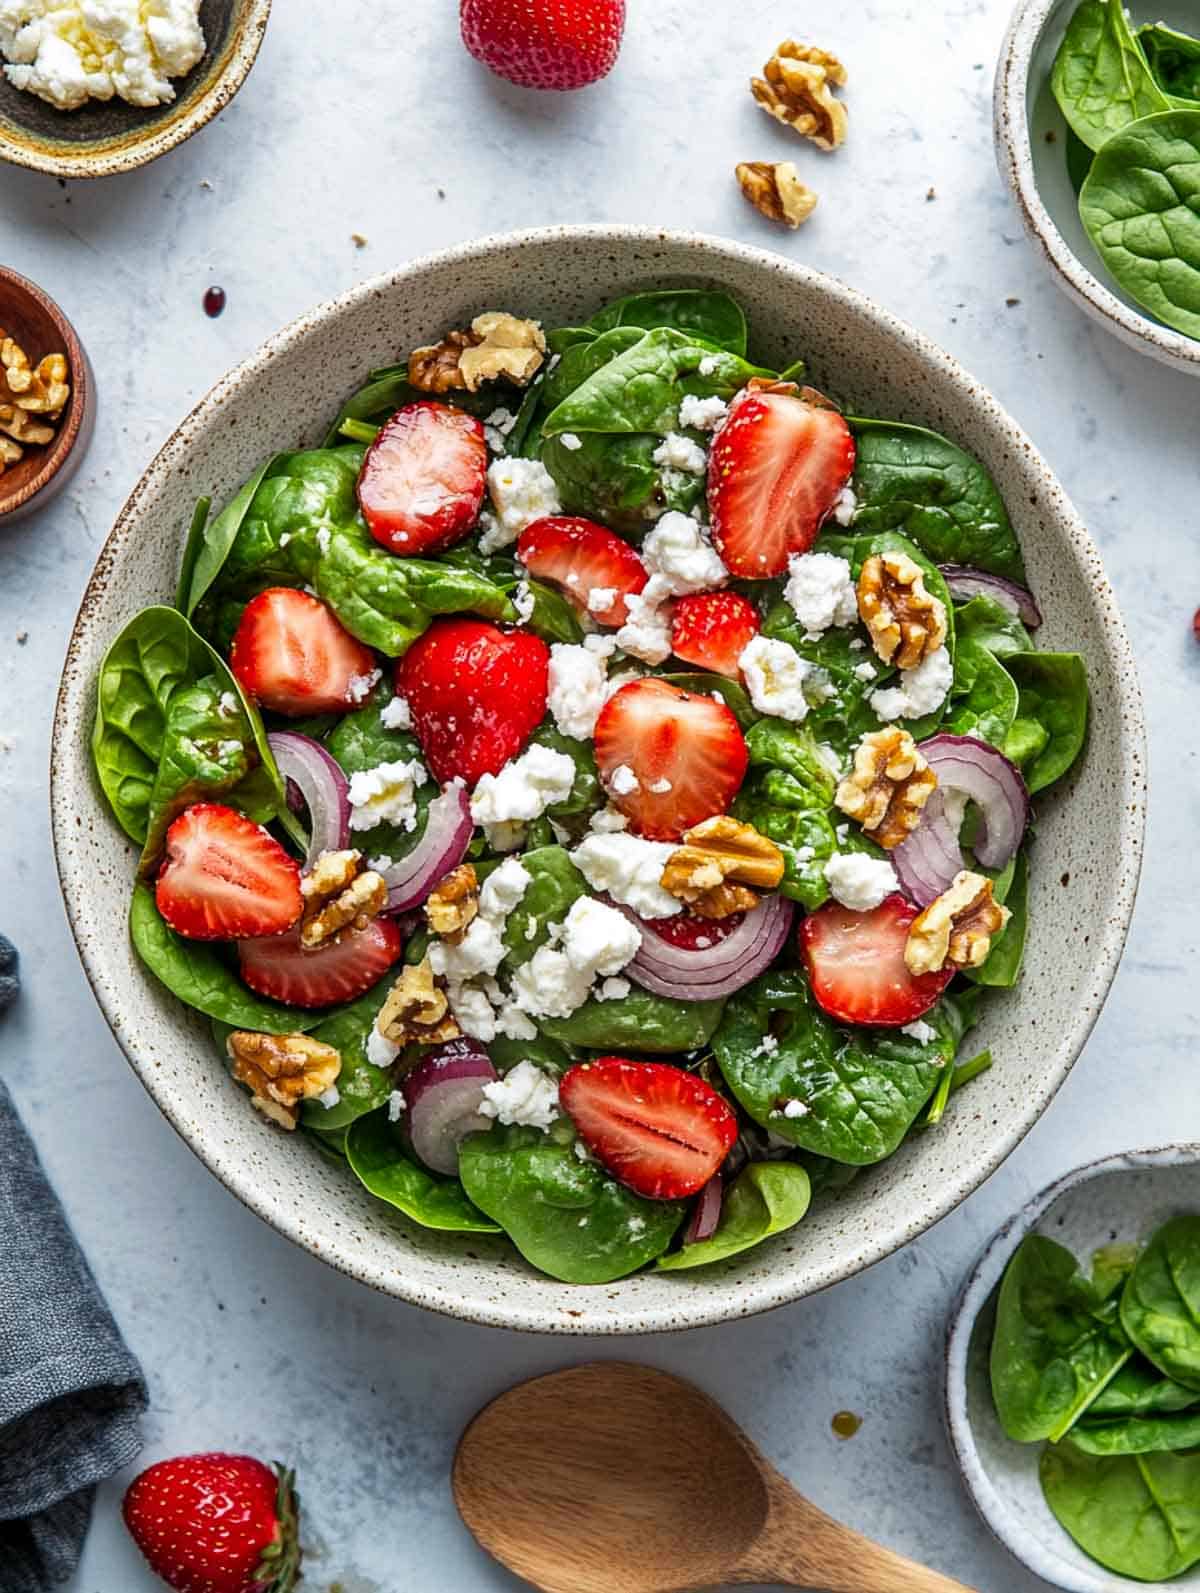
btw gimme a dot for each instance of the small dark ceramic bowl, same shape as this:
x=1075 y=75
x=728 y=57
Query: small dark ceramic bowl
x=103 y=137
x=34 y=321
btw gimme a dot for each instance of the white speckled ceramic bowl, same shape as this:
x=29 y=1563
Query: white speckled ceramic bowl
x=1121 y=1198
x=1030 y=134
x=1089 y=833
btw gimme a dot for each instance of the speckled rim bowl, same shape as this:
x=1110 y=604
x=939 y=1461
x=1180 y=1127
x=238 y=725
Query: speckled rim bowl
x=1124 y=1197
x=1089 y=835
x=1021 y=82
x=105 y=137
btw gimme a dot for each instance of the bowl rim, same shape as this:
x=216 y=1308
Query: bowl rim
x=79 y=407
x=1014 y=156
x=985 y=1275
x=139 y=148
x=1109 y=942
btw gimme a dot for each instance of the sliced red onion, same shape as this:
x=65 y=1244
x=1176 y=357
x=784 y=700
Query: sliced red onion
x=928 y=860
x=965 y=582
x=706 y=1213
x=710 y=972
x=319 y=780
x=443 y=846
x=443 y=1094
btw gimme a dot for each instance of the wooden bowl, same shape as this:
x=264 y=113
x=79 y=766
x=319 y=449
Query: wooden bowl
x=33 y=319
x=103 y=137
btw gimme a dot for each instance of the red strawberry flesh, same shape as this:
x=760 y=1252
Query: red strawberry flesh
x=224 y=877
x=856 y=965
x=580 y=557
x=422 y=480
x=711 y=629
x=340 y=970
x=291 y=653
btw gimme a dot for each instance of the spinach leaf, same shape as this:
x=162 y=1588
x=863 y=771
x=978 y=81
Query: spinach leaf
x=195 y=972
x=1160 y=1307
x=204 y=556
x=375 y=1151
x=207 y=749
x=361 y=741
x=1052 y=715
x=567 y=1217
x=991 y=625
x=554 y=888
x=191 y=551
x=702 y=312
x=387 y=389
x=1138 y=208
x=861 y=1091
x=1002 y=967
x=1138 y=1515
x=915 y=481
x=1054 y=1349
x=545 y=1054
x=362 y=1087
x=554 y=619
x=788 y=796
x=1140 y=1389
x=1100 y=77
x=613 y=478
x=983 y=697
x=581 y=362
x=791 y=749
x=638 y=1022
x=731 y=692
x=1137 y=1435
x=275 y=538
x=1174 y=61
x=1079 y=161
x=766 y=1198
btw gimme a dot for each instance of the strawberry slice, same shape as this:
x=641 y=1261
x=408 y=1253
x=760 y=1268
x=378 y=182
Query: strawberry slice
x=476 y=694
x=668 y=758
x=695 y=934
x=660 y=1131
x=775 y=471
x=341 y=969
x=856 y=965
x=421 y=484
x=710 y=629
x=224 y=877
x=292 y=654
x=581 y=558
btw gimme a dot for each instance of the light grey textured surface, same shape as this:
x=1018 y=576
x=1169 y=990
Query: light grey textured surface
x=246 y=1340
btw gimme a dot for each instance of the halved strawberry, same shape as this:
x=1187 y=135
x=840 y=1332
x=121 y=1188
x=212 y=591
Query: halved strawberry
x=476 y=695
x=775 y=471
x=659 y=1130
x=710 y=629
x=292 y=654
x=421 y=484
x=340 y=970
x=695 y=934
x=856 y=965
x=544 y=44
x=685 y=753
x=224 y=877
x=580 y=557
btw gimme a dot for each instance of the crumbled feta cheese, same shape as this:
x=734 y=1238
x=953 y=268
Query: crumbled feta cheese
x=570 y=442
x=775 y=675
x=860 y=882
x=69 y=51
x=507 y=836
x=472 y=1010
x=603 y=646
x=524 y=788
x=582 y=1151
x=920 y=1031
x=680 y=559
x=646 y=633
x=628 y=869
x=794 y=1108
x=497 y=427
x=502 y=891
x=660 y=787
x=710 y=365
x=865 y=671
x=396 y=715
x=920 y=692
x=623 y=780
x=228 y=706
x=844 y=506
x=820 y=591
x=361 y=686
x=324 y=536
x=612 y=990
x=702 y=414
x=480 y=951
x=524 y=602
x=676 y=452
x=577 y=682
x=829 y=757
x=329 y=1098
x=601 y=599
x=396 y=1105
x=386 y=794
x=522 y=491
x=608 y=821
x=857 y=645
x=381 y=1053
x=525 y=1095
x=380 y=864
x=595 y=940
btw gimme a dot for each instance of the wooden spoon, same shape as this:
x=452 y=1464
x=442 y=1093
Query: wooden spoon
x=611 y=1476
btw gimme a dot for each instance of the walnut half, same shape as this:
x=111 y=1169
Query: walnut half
x=338 y=891
x=956 y=930
x=721 y=867
x=416 y=1010
x=775 y=190
x=888 y=786
x=497 y=345
x=796 y=88
x=907 y=623
x=452 y=905
x=281 y=1070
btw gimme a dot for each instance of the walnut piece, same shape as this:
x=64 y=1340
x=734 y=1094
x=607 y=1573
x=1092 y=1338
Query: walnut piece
x=888 y=786
x=282 y=1070
x=721 y=867
x=416 y=1010
x=20 y=425
x=42 y=389
x=452 y=905
x=906 y=622
x=775 y=190
x=956 y=930
x=10 y=452
x=797 y=89
x=338 y=891
x=497 y=345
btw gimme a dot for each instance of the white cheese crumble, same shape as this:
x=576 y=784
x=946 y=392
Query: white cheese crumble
x=775 y=674
x=628 y=869
x=646 y=634
x=524 y=788
x=865 y=671
x=623 y=780
x=329 y=1098
x=522 y=491
x=525 y=1095
x=920 y=692
x=523 y=601
x=820 y=591
x=396 y=715
x=601 y=599
x=680 y=559
x=69 y=51
x=361 y=686
x=502 y=891
x=709 y=365
x=570 y=442
x=920 y=1031
x=612 y=990
x=794 y=1108
x=578 y=680
x=844 y=506
x=676 y=452
x=702 y=414
x=608 y=821
x=595 y=940
x=497 y=427
x=381 y=1052
x=860 y=882
x=386 y=794
x=480 y=951
x=396 y=1105
x=228 y=705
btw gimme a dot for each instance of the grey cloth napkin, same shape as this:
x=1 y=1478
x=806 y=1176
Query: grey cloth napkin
x=71 y=1394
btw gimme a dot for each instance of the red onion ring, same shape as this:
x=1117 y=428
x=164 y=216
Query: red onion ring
x=710 y=972
x=965 y=582
x=318 y=777
x=928 y=860
x=706 y=1213
x=448 y=830
x=443 y=1094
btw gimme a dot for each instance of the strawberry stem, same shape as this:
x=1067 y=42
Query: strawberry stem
x=279 y=1567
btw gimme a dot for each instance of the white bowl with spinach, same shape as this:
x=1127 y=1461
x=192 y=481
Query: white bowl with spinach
x=1089 y=827
x=1097 y=127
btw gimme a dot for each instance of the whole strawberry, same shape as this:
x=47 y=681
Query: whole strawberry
x=544 y=44
x=216 y=1524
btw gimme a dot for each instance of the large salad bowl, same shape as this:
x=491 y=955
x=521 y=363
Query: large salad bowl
x=1089 y=834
